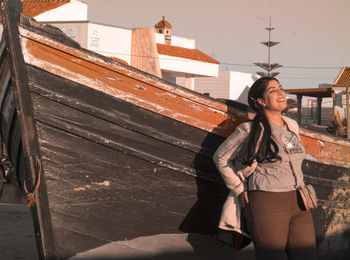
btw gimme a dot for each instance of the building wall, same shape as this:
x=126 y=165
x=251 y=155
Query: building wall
x=181 y=81
x=106 y=40
x=240 y=83
x=73 y=11
x=76 y=31
x=110 y=41
x=186 y=82
x=176 y=41
x=187 y=66
x=217 y=87
x=340 y=101
x=228 y=85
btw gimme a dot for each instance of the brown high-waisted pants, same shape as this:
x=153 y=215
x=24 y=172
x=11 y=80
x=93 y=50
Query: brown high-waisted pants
x=279 y=227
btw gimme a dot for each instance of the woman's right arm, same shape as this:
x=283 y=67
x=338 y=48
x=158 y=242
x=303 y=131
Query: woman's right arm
x=225 y=155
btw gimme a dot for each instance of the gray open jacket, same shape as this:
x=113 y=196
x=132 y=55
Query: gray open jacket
x=233 y=178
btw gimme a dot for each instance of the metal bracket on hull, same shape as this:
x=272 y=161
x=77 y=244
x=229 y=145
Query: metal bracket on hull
x=31 y=198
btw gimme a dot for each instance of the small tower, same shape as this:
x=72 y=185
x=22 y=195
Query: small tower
x=164 y=27
x=268 y=67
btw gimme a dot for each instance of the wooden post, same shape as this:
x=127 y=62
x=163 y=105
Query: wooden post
x=319 y=110
x=40 y=211
x=299 y=97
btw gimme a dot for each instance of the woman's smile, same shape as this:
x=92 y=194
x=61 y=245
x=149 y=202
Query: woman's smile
x=275 y=98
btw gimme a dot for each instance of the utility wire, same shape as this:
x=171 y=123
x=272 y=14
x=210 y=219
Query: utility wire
x=301 y=78
x=287 y=67
x=220 y=63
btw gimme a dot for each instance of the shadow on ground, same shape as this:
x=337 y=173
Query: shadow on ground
x=167 y=247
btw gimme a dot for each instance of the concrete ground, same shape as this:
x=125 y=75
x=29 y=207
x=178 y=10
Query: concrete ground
x=17 y=242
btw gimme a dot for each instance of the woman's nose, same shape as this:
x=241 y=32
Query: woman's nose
x=282 y=92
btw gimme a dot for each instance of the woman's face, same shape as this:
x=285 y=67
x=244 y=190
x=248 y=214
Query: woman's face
x=274 y=97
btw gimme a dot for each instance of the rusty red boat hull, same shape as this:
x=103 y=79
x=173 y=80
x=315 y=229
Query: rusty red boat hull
x=126 y=154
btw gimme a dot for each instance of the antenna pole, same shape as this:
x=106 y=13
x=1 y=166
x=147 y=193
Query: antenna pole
x=268 y=67
x=269 y=46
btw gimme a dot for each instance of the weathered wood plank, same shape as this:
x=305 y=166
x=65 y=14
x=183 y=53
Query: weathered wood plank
x=120 y=112
x=135 y=143
x=165 y=197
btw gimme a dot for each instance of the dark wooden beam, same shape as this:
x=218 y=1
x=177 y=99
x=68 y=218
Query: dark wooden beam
x=11 y=12
x=312 y=92
x=299 y=98
x=319 y=110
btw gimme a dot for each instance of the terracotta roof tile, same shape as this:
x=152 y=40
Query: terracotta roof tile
x=36 y=7
x=343 y=79
x=192 y=54
x=163 y=24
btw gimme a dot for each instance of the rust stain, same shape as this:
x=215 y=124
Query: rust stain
x=311 y=146
x=104 y=183
x=79 y=189
x=326 y=151
x=88 y=186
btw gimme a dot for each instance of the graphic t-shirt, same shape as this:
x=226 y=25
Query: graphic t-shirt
x=278 y=176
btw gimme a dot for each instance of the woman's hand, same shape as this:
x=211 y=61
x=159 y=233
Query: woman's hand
x=245 y=172
x=249 y=169
x=243 y=197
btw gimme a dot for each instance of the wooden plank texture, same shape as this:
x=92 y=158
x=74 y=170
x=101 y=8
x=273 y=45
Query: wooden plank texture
x=125 y=197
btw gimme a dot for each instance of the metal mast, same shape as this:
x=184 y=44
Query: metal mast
x=268 y=67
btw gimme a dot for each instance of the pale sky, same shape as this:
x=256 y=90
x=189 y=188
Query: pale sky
x=314 y=34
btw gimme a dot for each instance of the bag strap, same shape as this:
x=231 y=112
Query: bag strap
x=294 y=168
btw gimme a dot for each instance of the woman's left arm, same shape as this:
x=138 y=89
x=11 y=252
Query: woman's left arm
x=224 y=156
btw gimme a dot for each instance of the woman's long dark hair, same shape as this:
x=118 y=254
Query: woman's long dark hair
x=268 y=149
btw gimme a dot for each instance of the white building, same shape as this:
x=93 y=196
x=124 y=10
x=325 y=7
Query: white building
x=158 y=53
x=228 y=85
x=173 y=58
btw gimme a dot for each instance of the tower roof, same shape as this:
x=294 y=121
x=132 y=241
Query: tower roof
x=163 y=24
x=191 y=54
x=343 y=79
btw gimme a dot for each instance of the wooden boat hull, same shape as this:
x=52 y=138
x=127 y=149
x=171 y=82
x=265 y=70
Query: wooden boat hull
x=125 y=154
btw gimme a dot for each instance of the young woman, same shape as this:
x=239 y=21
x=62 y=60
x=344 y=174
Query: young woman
x=278 y=224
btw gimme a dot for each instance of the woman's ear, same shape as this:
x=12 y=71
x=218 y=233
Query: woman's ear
x=261 y=102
